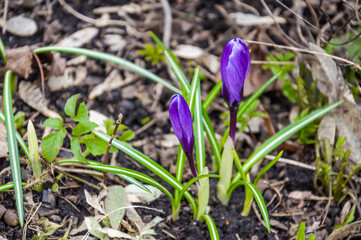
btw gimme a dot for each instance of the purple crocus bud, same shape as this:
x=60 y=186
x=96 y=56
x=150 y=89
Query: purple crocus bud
x=235 y=65
x=181 y=120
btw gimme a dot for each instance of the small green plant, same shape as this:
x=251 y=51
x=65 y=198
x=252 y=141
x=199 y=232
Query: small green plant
x=301 y=233
x=333 y=169
x=285 y=69
x=152 y=53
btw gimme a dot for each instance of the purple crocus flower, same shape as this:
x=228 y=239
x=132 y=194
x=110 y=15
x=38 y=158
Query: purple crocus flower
x=235 y=65
x=181 y=120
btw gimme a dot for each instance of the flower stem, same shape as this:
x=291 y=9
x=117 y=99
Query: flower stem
x=233 y=121
x=192 y=166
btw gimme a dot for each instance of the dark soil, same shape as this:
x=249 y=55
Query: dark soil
x=198 y=23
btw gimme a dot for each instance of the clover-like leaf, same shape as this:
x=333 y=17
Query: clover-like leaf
x=51 y=144
x=53 y=123
x=83 y=127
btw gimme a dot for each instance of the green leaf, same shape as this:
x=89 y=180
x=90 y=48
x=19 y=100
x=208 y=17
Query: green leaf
x=126 y=136
x=267 y=167
x=225 y=172
x=70 y=105
x=2 y=51
x=19 y=119
x=301 y=232
x=213 y=232
x=83 y=127
x=12 y=145
x=203 y=193
x=76 y=149
x=53 y=123
x=82 y=113
x=95 y=145
x=51 y=144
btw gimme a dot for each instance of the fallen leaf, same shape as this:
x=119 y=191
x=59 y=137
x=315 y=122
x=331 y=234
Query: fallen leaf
x=94 y=227
x=93 y=201
x=115 y=233
x=113 y=203
x=188 y=52
x=115 y=42
x=79 y=38
x=30 y=93
x=136 y=194
x=348 y=116
x=19 y=61
x=71 y=77
x=21 y=26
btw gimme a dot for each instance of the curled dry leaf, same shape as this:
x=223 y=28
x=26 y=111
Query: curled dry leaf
x=21 y=26
x=30 y=93
x=348 y=116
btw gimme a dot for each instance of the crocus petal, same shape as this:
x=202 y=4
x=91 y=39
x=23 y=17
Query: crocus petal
x=181 y=120
x=235 y=63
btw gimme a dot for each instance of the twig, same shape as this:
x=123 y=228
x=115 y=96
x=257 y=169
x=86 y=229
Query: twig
x=230 y=20
x=305 y=51
x=105 y=159
x=328 y=203
x=167 y=30
x=41 y=74
x=278 y=26
x=292 y=162
x=76 y=178
x=256 y=62
x=259 y=216
x=96 y=22
x=145 y=127
x=30 y=218
x=6 y=7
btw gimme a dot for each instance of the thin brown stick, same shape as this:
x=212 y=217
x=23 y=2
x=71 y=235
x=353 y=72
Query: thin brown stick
x=77 y=178
x=105 y=159
x=305 y=51
x=41 y=74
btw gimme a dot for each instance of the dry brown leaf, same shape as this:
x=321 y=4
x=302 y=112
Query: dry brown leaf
x=71 y=77
x=332 y=84
x=247 y=19
x=19 y=61
x=30 y=93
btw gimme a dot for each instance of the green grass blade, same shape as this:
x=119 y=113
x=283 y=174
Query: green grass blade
x=12 y=145
x=148 y=163
x=173 y=63
x=9 y=186
x=134 y=181
x=212 y=95
x=259 y=199
x=267 y=167
x=2 y=51
x=277 y=139
x=20 y=140
x=301 y=232
x=193 y=180
x=110 y=58
x=211 y=136
x=249 y=101
x=213 y=232
x=196 y=110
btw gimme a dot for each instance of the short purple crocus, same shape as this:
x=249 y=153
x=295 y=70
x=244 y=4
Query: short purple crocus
x=235 y=65
x=181 y=120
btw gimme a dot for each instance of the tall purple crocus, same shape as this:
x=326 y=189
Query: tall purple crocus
x=235 y=65
x=181 y=120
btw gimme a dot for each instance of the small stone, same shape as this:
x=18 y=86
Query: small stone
x=21 y=26
x=11 y=218
x=48 y=197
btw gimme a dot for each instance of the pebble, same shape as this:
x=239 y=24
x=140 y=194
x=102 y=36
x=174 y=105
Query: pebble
x=11 y=218
x=21 y=26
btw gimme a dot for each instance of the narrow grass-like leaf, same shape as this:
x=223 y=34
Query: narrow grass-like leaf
x=213 y=232
x=2 y=51
x=121 y=171
x=259 y=199
x=110 y=58
x=20 y=140
x=148 y=163
x=242 y=109
x=267 y=167
x=212 y=95
x=192 y=181
x=12 y=145
x=225 y=171
x=203 y=194
x=281 y=136
x=238 y=164
x=134 y=181
x=9 y=186
x=301 y=232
